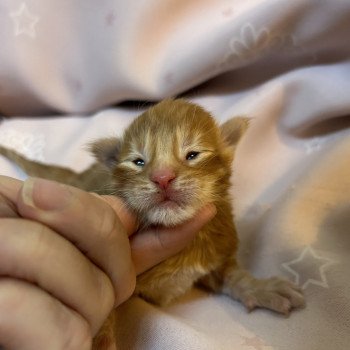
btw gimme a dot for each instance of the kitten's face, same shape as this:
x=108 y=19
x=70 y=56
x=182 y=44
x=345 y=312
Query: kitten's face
x=171 y=161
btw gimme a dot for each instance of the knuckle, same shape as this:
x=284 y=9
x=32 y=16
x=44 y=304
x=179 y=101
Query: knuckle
x=72 y=329
x=7 y=208
x=131 y=288
x=107 y=225
x=126 y=290
x=41 y=241
x=105 y=295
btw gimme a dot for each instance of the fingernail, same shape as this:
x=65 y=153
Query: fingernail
x=45 y=195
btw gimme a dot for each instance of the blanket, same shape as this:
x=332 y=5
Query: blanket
x=67 y=68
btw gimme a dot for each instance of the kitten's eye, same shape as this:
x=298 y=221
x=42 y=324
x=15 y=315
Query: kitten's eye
x=139 y=162
x=191 y=155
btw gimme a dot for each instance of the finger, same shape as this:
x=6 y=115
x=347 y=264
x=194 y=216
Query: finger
x=7 y=208
x=155 y=245
x=33 y=252
x=128 y=220
x=9 y=189
x=87 y=221
x=31 y=319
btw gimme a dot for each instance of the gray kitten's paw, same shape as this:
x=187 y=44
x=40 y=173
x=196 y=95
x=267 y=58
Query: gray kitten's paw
x=274 y=293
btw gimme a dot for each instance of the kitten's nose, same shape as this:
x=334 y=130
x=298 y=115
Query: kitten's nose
x=163 y=177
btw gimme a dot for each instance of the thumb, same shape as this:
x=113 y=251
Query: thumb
x=150 y=247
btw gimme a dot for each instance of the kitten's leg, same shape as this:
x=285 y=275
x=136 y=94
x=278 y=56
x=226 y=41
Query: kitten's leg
x=93 y=179
x=156 y=286
x=161 y=287
x=272 y=293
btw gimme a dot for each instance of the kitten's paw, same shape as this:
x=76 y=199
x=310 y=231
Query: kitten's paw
x=274 y=293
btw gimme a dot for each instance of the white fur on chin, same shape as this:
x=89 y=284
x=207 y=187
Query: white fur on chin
x=170 y=216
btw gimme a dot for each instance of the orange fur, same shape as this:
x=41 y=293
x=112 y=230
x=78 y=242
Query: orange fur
x=162 y=137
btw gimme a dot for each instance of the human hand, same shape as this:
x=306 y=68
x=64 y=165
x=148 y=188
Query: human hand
x=68 y=260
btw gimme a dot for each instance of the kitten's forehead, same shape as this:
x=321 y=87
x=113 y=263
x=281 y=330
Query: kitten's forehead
x=172 y=122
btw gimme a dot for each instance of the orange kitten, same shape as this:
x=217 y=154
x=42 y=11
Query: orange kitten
x=171 y=161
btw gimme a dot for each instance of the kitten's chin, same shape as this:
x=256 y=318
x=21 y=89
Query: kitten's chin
x=169 y=214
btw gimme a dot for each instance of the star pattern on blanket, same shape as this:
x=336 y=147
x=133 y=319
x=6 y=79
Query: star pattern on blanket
x=254 y=342
x=309 y=268
x=24 y=21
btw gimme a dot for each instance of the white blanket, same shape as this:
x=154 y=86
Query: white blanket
x=286 y=64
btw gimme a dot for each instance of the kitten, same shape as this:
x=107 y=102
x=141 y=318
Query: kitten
x=172 y=160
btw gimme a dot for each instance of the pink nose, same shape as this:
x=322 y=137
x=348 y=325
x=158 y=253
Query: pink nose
x=163 y=177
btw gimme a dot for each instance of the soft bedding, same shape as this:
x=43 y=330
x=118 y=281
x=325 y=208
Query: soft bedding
x=66 y=66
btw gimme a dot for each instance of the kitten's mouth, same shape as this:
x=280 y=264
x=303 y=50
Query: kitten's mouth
x=171 y=207
x=169 y=200
x=168 y=204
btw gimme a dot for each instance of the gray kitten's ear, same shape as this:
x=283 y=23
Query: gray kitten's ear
x=106 y=150
x=234 y=129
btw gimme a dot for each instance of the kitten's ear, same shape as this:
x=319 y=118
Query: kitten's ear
x=234 y=129
x=106 y=150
